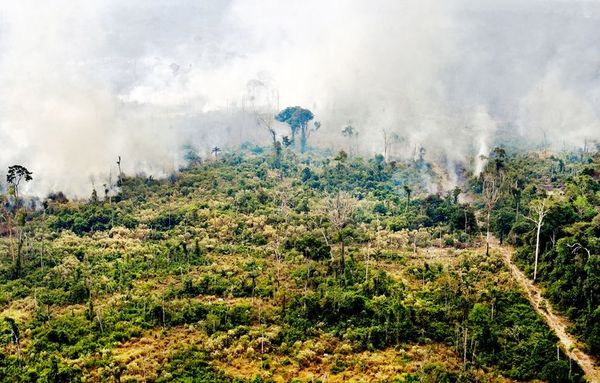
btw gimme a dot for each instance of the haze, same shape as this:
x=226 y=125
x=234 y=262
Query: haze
x=82 y=82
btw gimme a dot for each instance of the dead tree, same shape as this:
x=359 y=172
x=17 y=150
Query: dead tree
x=491 y=194
x=266 y=120
x=120 y=180
x=539 y=209
x=340 y=209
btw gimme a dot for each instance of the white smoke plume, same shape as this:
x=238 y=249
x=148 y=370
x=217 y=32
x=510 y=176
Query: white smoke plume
x=82 y=82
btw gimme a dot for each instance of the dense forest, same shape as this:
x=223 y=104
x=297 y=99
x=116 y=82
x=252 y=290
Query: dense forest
x=550 y=203
x=266 y=264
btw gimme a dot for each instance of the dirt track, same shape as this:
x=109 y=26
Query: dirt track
x=557 y=322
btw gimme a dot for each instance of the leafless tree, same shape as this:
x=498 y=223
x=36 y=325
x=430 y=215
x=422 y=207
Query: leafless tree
x=351 y=134
x=492 y=184
x=284 y=198
x=266 y=120
x=340 y=209
x=388 y=140
x=120 y=172
x=539 y=209
x=577 y=246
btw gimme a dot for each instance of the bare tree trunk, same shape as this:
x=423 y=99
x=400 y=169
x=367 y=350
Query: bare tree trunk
x=99 y=318
x=537 y=248
x=303 y=139
x=466 y=337
x=415 y=245
x=42 y=254
x=343 y=255
x=385 y=145
x=306 y=281
x=12 y=247
x=540 y=209
x=278 y=259
x=327 y=243
x=367 y=263
x=487 y=238
x=17 y=258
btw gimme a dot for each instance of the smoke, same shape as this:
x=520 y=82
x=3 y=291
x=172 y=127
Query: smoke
x=84 y=82
x=485 y=133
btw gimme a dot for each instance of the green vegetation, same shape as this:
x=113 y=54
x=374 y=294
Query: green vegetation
x=265 y=266
x=566 y=190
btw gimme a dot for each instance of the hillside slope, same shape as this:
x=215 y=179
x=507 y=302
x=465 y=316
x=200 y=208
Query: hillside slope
x=251 y=269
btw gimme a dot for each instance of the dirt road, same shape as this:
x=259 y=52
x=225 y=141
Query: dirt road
x=557 y=322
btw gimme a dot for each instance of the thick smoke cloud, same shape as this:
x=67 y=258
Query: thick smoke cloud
x=82 y=82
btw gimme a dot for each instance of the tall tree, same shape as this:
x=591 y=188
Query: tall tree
x=120 y=177
x=493 y=182
x=265 y=120
x=340 y=209
x=386 y=143
x=297 y=118
x=491 y=194
x=539 y=209
x=350 y=133
x=389 y=139
x=16 y=174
